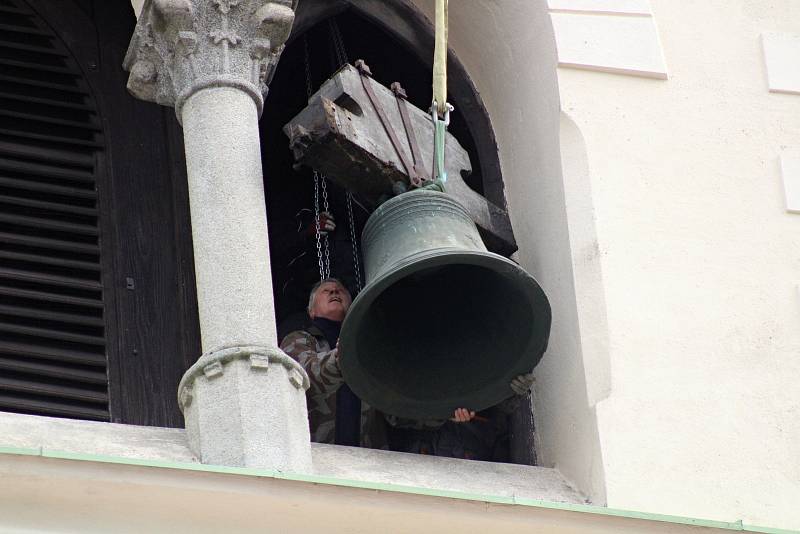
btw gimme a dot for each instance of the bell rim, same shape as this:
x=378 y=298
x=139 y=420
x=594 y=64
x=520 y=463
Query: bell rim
x=355 y=376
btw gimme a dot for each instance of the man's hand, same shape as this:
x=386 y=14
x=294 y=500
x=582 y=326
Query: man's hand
x=521 y=385
x=462 y=415
x=326 y=223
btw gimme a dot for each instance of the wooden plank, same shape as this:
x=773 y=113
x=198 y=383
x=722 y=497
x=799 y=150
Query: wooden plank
x=48 y=119
x=21 y=29
x=50 y=260
x=52 y=390
x=49 y=224
x=50 y=154
x=31 y=48
x=50 y=333
x=11 y=402
x=35 y=66
x=50 y=279
x=39 y=83
x=49 y=315
x=147 y=231
x=15 y=10
x=340 y=135
x=53 y=370
x=46 y=101
x=53 y=138
x=31 y=185
x=53 y=353
x=49 y=297
x=54 y=244
x=45 y=205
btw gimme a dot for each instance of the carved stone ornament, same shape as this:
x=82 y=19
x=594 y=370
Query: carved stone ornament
x=212 y=365
x=182 y=46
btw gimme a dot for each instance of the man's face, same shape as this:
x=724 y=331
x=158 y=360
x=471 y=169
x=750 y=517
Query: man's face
x=331 y=301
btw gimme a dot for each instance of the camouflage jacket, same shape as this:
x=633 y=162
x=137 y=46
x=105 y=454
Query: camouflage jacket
x=311 y=350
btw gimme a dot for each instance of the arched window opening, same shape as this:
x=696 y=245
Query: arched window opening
x=290 y=190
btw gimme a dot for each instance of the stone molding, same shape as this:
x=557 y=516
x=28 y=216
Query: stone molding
x=182 y=46
x=782 y=60
x=246 y=407
x=212 y=365
x=790 y=171
x=615 y=36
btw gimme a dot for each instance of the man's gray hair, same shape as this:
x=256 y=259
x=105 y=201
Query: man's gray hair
x=313 y=294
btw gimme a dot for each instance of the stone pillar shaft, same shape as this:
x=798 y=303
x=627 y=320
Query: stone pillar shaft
x=244 y=400
x=229 y=223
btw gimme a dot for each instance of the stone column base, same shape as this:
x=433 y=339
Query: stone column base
x=246 y=406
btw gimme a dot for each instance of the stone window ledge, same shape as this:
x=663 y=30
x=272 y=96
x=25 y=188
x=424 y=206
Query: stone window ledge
x=86 y=438
x=63 y=475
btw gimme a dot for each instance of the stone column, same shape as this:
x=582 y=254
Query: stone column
x=244 y=400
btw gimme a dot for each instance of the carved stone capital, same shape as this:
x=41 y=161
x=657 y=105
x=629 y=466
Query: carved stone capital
x=182 y=46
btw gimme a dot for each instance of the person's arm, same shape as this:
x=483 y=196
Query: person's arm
x=416 y=424
x=460 y=415
x=521 y=386
x=322 y=367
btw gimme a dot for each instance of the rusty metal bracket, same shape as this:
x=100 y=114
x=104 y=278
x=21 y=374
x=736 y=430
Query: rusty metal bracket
x=366 y=81
x=402 y=105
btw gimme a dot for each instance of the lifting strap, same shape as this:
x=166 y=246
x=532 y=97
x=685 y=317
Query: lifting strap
x=440 y=59
x=440 y=109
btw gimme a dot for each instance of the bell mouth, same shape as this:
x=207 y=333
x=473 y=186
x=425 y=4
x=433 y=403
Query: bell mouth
x=443 y=329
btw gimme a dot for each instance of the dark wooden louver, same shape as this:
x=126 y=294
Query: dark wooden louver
x=52 y=339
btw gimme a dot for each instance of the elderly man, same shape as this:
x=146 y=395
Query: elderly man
x=334 y=412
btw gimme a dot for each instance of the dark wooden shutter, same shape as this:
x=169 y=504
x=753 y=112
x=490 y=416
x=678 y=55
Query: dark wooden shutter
x=52 y=338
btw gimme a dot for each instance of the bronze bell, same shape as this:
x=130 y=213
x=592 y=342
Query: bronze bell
x=442 y=323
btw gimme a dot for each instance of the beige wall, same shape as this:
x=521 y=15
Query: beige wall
x=677 y=314
x=700 y=262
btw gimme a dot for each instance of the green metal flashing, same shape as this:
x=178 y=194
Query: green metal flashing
x=393 y=488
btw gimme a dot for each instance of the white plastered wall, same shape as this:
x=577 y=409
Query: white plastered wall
x=700 y=261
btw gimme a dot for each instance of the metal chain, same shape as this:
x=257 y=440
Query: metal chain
x=316 y=223
x=327 y=261
x=323 y=244
x=352 y=224
x=338 y=42
x=341 y=58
